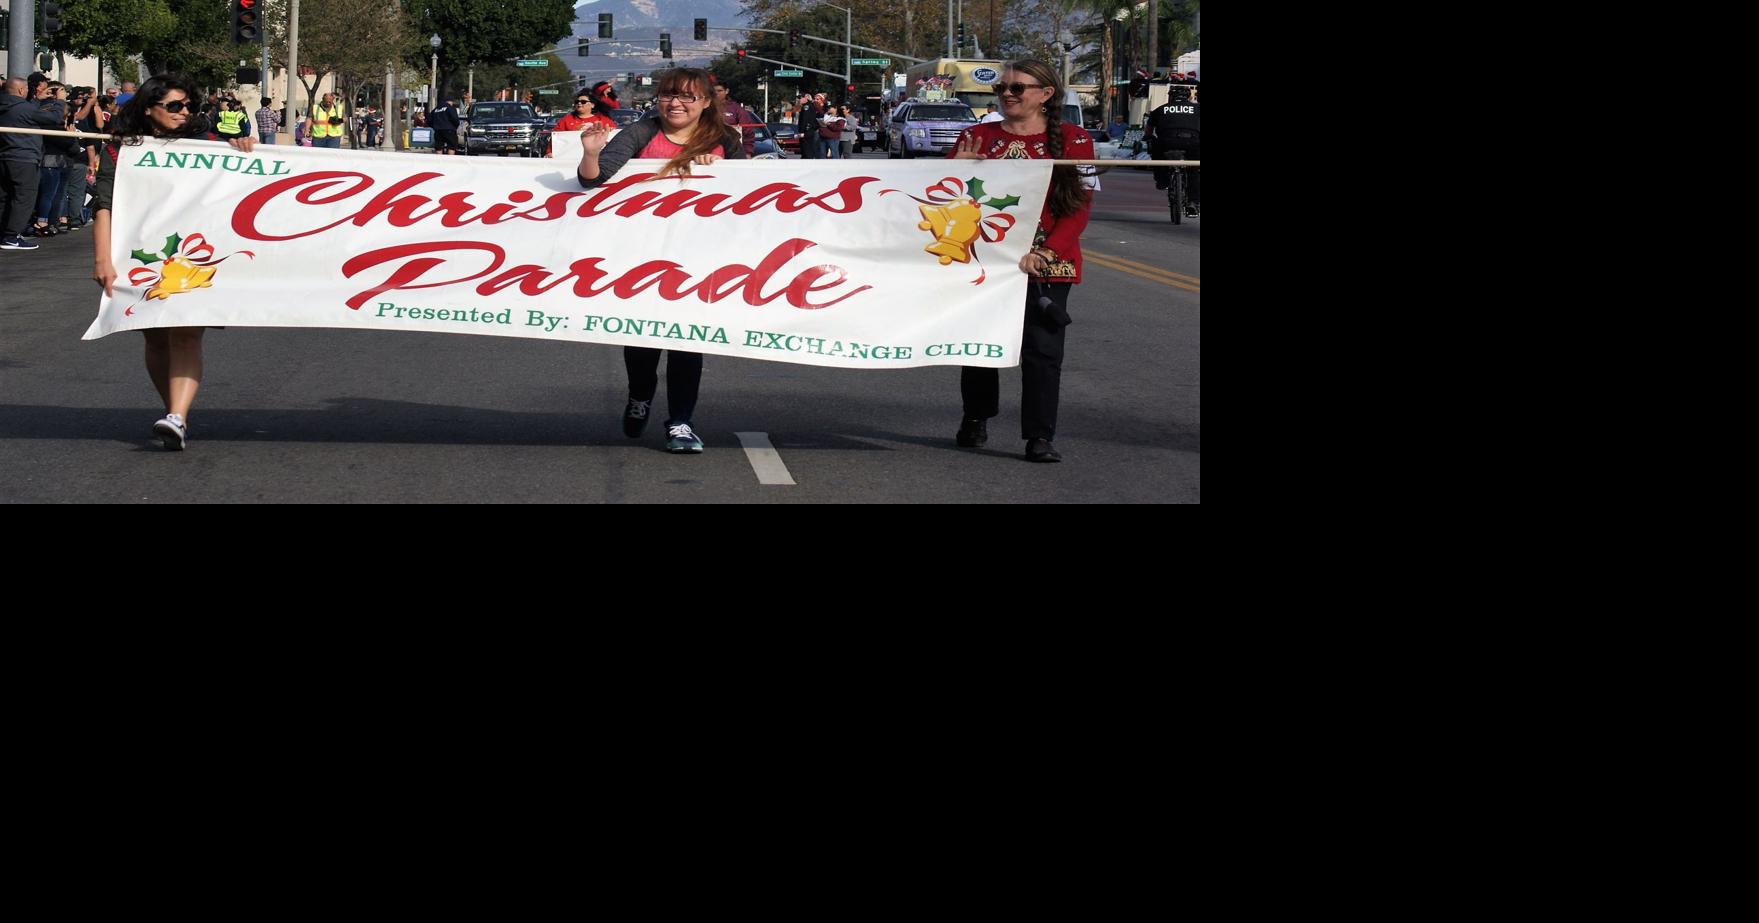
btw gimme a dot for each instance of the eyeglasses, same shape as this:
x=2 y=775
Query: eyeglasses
x=684 y=98
x=583 y=102
x=1016 y=89
x=173 y=107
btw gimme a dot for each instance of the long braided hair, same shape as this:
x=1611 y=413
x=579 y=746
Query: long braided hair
x=1067 y=194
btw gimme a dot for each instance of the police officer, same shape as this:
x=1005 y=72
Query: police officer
x=1178 y=126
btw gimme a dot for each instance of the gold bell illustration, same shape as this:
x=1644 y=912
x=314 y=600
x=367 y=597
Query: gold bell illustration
x=181 y=276
x=955 y=227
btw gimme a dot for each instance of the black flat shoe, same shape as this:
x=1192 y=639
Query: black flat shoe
x=1041 y=450
x=972 y=434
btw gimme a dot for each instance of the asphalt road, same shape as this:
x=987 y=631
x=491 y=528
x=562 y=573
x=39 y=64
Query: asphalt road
x=318 y=415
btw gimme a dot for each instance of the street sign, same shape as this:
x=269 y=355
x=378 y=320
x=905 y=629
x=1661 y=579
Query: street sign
x=871 y=62
x=548 y=92
x=532 y=62
x=790 y=73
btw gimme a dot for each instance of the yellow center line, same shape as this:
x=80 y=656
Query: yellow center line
x=1145 y=267
x=1101 y=261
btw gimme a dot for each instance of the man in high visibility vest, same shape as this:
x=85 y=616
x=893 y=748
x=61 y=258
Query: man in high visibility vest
x=326 y=123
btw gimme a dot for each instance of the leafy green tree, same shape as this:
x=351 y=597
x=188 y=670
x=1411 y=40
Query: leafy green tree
x=484 y=32
x=113 y=30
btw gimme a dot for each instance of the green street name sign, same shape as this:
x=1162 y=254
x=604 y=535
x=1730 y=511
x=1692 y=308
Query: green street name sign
x=790 y=73
x=548 y=92
x=532 y=62
x=871 y=62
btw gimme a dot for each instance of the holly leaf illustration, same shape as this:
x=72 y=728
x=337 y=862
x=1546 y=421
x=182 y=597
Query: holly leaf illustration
x=974 y=188
x=1003 y=203
x=145 y=257
x=171 y=245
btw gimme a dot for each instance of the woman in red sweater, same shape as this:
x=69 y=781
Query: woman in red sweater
x=1032 y=127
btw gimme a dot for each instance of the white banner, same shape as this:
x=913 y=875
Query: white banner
x=864 y=264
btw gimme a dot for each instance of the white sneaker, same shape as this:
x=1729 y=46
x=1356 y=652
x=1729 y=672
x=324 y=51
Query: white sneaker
x=171 y=432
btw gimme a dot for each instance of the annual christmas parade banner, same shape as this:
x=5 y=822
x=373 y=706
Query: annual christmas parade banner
x=861 y=264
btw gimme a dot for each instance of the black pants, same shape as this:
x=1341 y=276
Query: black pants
x=446 y=139
x=1041 y=371
x=1193 y=175
x=683 y=379
x=18 y=196
x=810 y=146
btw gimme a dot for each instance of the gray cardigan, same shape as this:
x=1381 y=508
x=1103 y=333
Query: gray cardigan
x=631 y=140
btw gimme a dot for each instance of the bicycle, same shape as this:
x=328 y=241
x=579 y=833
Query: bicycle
x=1176 y=187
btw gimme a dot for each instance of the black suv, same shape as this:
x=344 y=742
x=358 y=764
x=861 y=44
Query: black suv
x=502 y=128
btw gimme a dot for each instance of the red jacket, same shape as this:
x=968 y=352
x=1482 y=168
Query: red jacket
x=1062 y=235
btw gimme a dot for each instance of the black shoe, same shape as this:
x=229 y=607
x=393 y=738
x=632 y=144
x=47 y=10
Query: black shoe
x=1041 y=450
x=973 y=433
x=635 y=417
x=1161 y=186
x=1193 y=211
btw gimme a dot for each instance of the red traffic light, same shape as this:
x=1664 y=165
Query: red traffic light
x=851 y=87
x=247 y=4
x=741 y=52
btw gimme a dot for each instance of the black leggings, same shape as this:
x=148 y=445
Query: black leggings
x=1041 y=371
x=683 y=379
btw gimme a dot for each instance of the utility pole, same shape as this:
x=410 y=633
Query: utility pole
x=21 y=43
x=292 y=66
x=950 y=53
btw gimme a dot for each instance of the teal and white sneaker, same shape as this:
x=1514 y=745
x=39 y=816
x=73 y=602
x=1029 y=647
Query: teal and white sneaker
x=681 y=439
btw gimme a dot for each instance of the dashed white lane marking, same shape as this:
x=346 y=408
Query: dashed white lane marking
x=764 y=458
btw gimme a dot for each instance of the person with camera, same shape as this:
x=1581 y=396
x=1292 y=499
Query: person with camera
x=21 y=156
x=80 y=168
x=1031 y=94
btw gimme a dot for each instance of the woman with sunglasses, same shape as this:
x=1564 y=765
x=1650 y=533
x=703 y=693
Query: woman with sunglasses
x=585 y=113
x=1032 y=127
x=689 y=130
x=164 y=107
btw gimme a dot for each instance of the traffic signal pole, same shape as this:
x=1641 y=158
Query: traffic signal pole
x=21 y=42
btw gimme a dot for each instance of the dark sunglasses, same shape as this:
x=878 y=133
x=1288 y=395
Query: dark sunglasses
x=1017 y=89
x=175 y=107
x=583 y=102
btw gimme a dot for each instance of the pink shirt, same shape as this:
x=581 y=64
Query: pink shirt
x=661 y=149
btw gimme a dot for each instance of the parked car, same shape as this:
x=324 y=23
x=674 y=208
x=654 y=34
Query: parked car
x=502 y=128
x=764 y=147
x=922 y=128
x=787 y=136
x=626 y=117
x=1104 y=148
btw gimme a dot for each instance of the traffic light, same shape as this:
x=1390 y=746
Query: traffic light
x=50 y=15
x=666 y=45
x=702 y=30
x=850 y=88
x=961 y=35
x=604 y=25
x=250 y=75
x=583 y=47
x=740 y=52
x=793 y=37
x=244 y=22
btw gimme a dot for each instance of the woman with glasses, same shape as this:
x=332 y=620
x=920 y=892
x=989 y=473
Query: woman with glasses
x=164 y=107
x=1032 y=127
x=689 y=130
